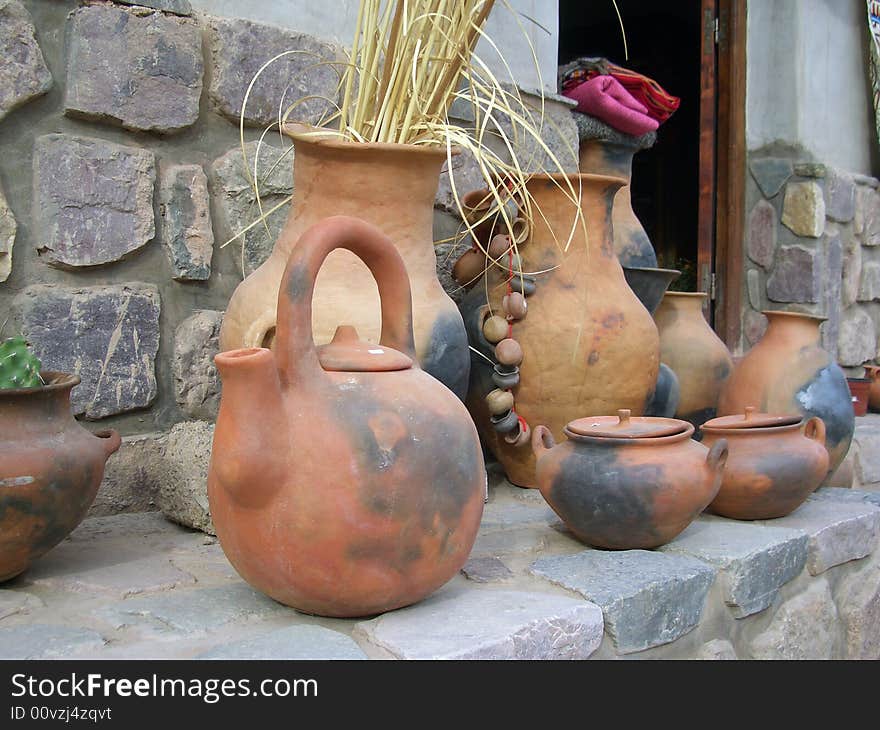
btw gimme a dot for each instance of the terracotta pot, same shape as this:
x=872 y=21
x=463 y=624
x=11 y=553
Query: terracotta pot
x=774 y=463
x=861 y=391
x=589 y=346
x=391 y=186
x=631 y=242
x=50 y=470
x=627 y=483
x=649 y=285
x=789 y=372
x=344 y=480
x=695 y=353
x=873 y=372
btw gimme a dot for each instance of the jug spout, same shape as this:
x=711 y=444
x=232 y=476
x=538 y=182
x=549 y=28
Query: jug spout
x=251 y=424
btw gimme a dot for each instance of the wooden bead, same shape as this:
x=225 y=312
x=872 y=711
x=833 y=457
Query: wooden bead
x=509 y=352
x=495 y=328
x=499 y=402
x=469 y=267
x=514 y=305
x=499 y=247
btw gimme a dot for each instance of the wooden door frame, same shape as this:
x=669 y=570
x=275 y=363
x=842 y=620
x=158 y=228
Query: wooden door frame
x=730 y=174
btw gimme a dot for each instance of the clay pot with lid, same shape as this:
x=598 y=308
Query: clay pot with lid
x=788 y=371
x=624 y=482
x=774 y=463
x=50 y=469
x=693 y=351
x=344 y=480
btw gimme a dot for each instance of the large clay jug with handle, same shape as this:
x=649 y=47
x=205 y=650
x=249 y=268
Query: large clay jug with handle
x=344 y=480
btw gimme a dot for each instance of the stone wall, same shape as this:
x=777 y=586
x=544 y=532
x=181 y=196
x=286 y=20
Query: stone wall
x=123 y=200
x=813 y=245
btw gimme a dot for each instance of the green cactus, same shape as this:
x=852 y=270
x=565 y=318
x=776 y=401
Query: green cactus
x=19 y=367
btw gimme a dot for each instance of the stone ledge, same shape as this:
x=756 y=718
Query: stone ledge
x=290 y=642
x=647 y=598
x=472 y=623
x=755 y=561
x=866 y=439
x=838 y=531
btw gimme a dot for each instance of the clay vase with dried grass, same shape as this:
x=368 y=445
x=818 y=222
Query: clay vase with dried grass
x=392 y=186
x=589 y=346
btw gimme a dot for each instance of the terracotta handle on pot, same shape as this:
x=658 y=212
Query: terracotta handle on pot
x=717 y=456
x=815 y=429
x=542 y=441
x=110 y=440
x=295 y=345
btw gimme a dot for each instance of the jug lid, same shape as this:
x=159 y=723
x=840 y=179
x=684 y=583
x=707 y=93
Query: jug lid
x=626 y=426
x=754 y=419
x=347 y=352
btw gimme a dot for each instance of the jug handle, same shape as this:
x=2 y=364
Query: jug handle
x=815 y=430
x=295 y=345
x=542 y=441
x=110 y=440
x=717 y=456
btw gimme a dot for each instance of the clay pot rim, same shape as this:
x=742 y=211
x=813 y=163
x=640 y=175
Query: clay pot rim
x=686 y=294
x=754 y=430
x=793 y=315
x=326 y=138
x=655 y=270
x=583 y=177
x=54 y=380
x=684 y=435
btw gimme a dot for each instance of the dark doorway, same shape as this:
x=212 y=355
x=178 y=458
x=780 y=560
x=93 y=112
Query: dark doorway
x=664 y=43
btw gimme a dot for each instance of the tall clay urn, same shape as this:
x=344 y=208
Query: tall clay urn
x=391 y=186
x=344 y=480
x=561 y=334
x=789 y=372
x=50 y=470
x=695 y=353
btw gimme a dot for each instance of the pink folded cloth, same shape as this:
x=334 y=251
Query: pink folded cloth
x=605 y=98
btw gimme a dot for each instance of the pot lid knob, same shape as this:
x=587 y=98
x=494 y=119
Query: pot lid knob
x=750 y=411
x=347 y=352
x=623 y=415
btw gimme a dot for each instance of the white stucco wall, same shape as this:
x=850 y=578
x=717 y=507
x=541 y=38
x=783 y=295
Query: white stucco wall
x=807 y=79
x=335 y=20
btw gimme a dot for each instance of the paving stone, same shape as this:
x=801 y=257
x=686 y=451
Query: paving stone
x=237 y=202
x=754 y=326
x=183 y=492
x=838 y=531
x=121 y=580
x=193 y=611
x=197 y=386
x=519 y=539
x=186 y=222
x=852 y=271
x=647 y=598
x=871 y=217
x=762 y=234
x=486 y=570
x=810 y=169
x=838 y=494
x=803 y=209
x=797 y=276
x=867 y=461
x=869 y=284
x=804 y=627
x=7 y=237
x=717 y=649
x=23 y=71
x=154 y=81
x=857 y=340
x=755 y=560
x=178 y=7
x=108 y=335
x=239 y=48
x=130 y=481
x=840 y=196
x=487 y=624
x=47 y=641
x=14 y=602
x=291 y=642
x=858 y=603
x=93 y=199
x=502 y=514
x=754 y=286
x=771 y=173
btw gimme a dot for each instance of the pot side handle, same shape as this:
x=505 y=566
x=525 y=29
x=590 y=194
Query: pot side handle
x=542 y=441
x=110 y=440
x=815 y=430
x=717 y=456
